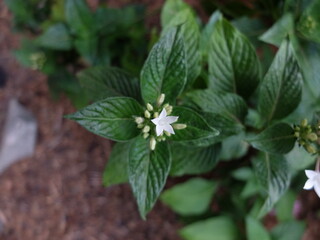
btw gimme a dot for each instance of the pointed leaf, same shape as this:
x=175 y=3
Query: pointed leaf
x=116 y=168
x=165 y=69
x=102 y=82
x=197 y=132
x=255 y=230
x=280 y=91
x=278 y=139
x=111 y=118
x=199 y=192
x=273 y=175
x=148 y=171
x=198 y=160
x=233 y=63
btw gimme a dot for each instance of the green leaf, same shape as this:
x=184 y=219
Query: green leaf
x=79 y=17
x=274 y=176
x=278 y=139
x=228 y=105
x=102 y=82
x=199 y=194
x=279 y=31
x=299 y=159
x=170 y=10
x=234 y=147
x=117 y=165
x=148 y=171
x=217 y=228
x=207 y=32
x=255 y=230
x=309 y=24
x=165 y=69
x=111 y=118
x=280 y=91
x=233 y=63
x=284 y=207
x=186 y=160
x=292 y=230
x=87 y=48
x=56 y=37
x=197 y=132
x=191 y=34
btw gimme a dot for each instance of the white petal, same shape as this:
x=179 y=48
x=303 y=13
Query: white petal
x=308 y=185
x=159 y=130
x=310 y=173
x=317 y=189
x=168 y=128
x=163 y=114
x=155 y=121
x=171 y=119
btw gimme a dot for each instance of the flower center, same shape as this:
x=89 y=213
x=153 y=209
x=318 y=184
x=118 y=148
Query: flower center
x=162 y=122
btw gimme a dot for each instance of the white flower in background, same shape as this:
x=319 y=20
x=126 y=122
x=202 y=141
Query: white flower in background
x=163 y=122
x=313 y=181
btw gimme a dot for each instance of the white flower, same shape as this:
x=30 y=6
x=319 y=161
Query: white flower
x=313 y=181
x=163 y=123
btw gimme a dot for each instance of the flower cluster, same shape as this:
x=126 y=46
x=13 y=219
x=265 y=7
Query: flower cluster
x=154 y=125
x=307 y=136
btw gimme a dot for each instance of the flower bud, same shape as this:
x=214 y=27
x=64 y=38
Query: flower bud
x=312 y=137
x=147 y=114
x=169 y=109
x=140 y=126
x=146 y=129
x=149 y=107
x=160 y=99
x=156 y=114
x=167 y=133
x=153 y=143
x=310 y=149
x=297 y=134
x=179 y=126
x=304 y=123
x=139 y=120
x=145 y=135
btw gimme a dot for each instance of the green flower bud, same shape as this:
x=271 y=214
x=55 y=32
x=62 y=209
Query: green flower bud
x=149 y=107
x=312 y=137
x=153 y=143
x=304 y=123
x=179 y=126
x=147 y=114
x=146 y=129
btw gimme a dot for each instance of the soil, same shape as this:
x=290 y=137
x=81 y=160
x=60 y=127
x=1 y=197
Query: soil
x=57 y=193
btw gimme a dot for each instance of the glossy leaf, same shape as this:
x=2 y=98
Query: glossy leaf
x=199 y=192
x=233 y=63
x=255 y=230
x=170 y=10
x=187 y=160
x=116 y=168
x=274 y=176
x=280 y=91
x=56 y=37
x=197 y=132
x=190 y=31
x=278 y=139
x=102 y=82
x=217 y=228
x=111 y=118
x=165 y=70
x=148 y=171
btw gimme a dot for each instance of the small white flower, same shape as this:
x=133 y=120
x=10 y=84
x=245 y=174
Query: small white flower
x=313 y=181
x=163 y=123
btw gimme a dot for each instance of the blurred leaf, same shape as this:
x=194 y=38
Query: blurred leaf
x=22 y=11
x=87 y=48
x=284 y=207
x=148 y=171
x=116 y=168
x=242 y=174
x=198 y=160
x=199 y=194
x=292 y=230
x=255 y=230
x=111 y=118
x=233 y=64
x=102 y=82
x=217 y=228
x=234 y=147
x=299 y=159
x=277 y=139
x=170 y=10
x=280 y=91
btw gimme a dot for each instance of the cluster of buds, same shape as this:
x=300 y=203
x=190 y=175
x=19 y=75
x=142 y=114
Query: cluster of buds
x=308 y=136
x=37 y=60
x=156 y=125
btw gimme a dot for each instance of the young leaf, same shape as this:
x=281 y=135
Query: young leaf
x=87 y=48
x=197 y=132
x=255 y=230
x=277 y=139
x=280 y=91
x=56 y=37
x=227 y=104
x=79 y=17
x=233 y=63
x=291 y=230
x=199 y=160
x=191 y=34
x=217 y=228
x=111 y=118
x=148 y=171
x=199 y=192
x=170 y=10
x=273 y=175
x=102 y=82
x=165 y=69
x=309 y=22
x=279 y=31
x=117 y=165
